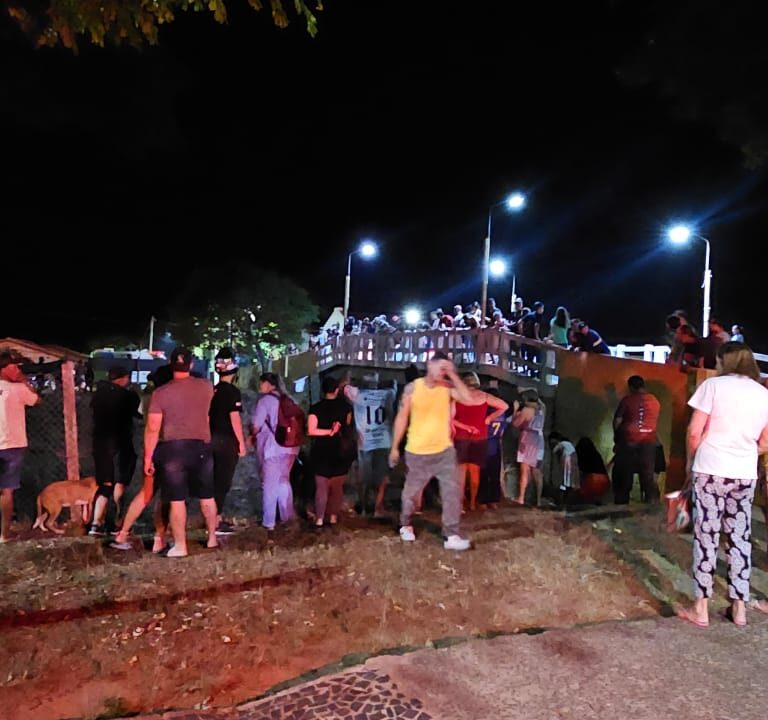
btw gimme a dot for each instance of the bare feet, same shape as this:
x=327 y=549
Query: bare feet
x=762 y=606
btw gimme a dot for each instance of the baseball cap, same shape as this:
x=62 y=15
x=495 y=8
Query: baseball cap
x=118 y=371
x=181 y=359
x=225 y=361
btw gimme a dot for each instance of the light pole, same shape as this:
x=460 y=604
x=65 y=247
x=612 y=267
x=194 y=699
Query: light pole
x=515 y=202
x=498 y=269
x=680 y=235
x=368 y=250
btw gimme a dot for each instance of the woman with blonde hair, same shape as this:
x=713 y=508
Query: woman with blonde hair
x=470 y=433
x=728 y=427
x=529 y=419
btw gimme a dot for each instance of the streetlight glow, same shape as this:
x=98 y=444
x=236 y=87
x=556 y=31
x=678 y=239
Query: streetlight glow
x=368 y=249
x=497 y=267
x=412 y=316
x=679 y=234
x=516 y=201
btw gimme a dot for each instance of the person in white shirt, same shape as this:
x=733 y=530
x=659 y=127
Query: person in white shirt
x=728 y=428
x=374 y=412
x=15 y=397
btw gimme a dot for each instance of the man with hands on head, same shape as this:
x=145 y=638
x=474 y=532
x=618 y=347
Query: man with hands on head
x=426 y=411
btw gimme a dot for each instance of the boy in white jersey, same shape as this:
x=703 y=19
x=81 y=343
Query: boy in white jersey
x=374 y=412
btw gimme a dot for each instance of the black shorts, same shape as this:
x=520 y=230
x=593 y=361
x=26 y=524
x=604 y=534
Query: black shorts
x=107 y=450
x=471 y=452
x=660 y=464
x=185 y=468
x=11 y=461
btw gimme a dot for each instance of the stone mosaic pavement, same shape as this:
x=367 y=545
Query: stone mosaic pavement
x=356 y=695
x=644 y=670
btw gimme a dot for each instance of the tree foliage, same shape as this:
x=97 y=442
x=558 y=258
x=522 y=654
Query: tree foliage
x=258 y=315
x=135 y=22
x=710 y=59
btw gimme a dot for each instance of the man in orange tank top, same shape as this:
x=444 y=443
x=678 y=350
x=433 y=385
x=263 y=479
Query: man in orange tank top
x=426 y=411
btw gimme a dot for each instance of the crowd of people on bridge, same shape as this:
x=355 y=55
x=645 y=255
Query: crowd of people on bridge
x=528 y=322
x=689 y=350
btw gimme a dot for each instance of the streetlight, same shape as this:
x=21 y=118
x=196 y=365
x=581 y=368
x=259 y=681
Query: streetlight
x=680 y=235
x=368 y=250
x=498 y=269
x=412 y=316
x=515 y=202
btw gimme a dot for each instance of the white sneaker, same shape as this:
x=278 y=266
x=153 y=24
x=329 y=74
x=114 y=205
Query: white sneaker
x=455 y=542
x=406 y=533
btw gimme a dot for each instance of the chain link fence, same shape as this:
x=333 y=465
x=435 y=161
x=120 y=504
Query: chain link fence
x=46 y=458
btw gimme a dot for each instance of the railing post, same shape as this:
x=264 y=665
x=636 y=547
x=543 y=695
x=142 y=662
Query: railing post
x=70 y=419
x=648 y=352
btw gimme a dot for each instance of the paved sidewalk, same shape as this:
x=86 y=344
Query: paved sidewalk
x=644 y=670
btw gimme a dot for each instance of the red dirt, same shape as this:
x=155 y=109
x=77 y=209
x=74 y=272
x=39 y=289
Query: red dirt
x=137 y=634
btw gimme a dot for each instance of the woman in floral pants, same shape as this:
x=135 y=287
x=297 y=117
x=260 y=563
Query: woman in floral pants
x=728 y=426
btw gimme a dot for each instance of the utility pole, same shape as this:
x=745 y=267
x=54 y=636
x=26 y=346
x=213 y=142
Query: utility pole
x=152 y=332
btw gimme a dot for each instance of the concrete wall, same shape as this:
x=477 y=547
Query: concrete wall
x=590 y=387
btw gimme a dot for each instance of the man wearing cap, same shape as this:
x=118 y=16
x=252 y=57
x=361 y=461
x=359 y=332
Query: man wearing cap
x=15 y=396
x=426 y=410
x=227 y=439
x=114 y=407
x=177 y=442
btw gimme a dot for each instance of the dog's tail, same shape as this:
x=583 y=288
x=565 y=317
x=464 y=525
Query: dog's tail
x=41 y=516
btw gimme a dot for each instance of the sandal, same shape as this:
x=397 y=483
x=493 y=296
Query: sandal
x=728 y=615
x=689 y=616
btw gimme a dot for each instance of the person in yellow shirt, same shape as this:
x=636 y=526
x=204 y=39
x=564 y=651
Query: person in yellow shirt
x=426 y=411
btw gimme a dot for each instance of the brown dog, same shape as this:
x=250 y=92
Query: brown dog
x=66 y=493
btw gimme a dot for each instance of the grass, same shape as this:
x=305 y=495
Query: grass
x=219 y=628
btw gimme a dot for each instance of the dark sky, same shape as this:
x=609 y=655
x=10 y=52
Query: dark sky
x=401 y=121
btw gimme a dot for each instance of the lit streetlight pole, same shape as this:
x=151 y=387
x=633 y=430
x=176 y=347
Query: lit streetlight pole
x=498 y=269
x=680 y=235
x=515 y=202
x=368 y=250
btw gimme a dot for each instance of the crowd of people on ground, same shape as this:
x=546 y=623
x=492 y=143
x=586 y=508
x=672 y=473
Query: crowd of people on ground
x=448 y=428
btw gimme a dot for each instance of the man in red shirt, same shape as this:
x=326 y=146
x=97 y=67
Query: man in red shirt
x=635 y=438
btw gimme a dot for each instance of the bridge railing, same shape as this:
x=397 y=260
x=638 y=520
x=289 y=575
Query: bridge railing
x=487 y=348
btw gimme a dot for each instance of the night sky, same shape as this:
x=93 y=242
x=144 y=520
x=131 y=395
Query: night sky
x=401 y=121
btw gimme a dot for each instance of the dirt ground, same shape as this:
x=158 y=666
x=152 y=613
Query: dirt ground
x=90 y=632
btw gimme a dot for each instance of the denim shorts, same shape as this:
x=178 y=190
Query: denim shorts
x=185 y=468
x=10 y=468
